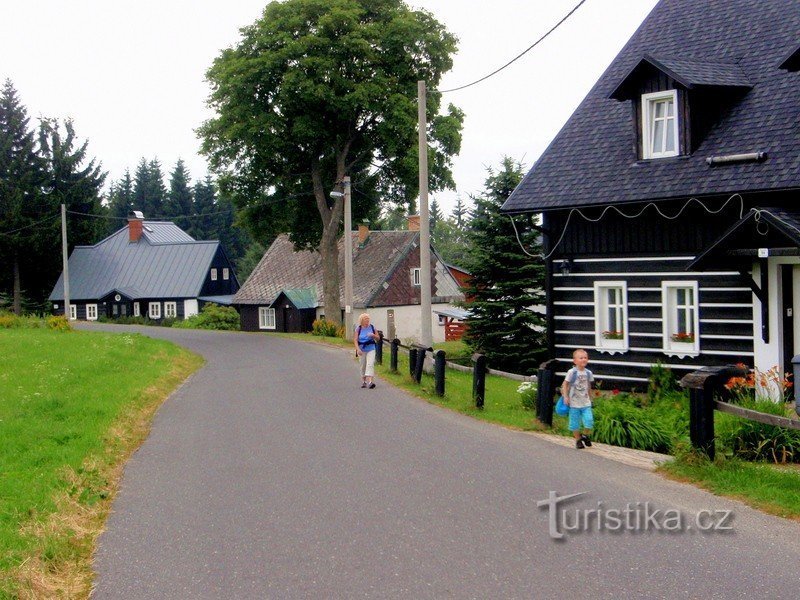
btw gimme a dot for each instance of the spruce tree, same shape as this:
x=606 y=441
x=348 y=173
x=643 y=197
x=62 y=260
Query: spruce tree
x=120 y=201
x=179 y=203
x=202 y=226
x=506 y=283
x=435 y=215
x=460 y=212
x=22 y=203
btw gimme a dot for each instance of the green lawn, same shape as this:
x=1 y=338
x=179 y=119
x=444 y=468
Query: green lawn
x=71 y=410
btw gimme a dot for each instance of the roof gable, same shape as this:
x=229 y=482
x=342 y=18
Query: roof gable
x=591 y=160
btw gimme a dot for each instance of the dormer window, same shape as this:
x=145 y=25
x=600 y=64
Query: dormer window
x=660 y=124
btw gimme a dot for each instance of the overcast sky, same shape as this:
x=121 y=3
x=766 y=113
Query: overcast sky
x=131 y=74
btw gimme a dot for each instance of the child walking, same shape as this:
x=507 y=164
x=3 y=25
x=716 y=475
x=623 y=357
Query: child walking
x=576 y=390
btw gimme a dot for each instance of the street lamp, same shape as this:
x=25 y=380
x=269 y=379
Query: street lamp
x=348 y=255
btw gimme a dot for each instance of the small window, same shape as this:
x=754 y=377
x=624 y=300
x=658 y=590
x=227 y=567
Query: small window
x=660 y=124
x=680 y=318
x=226 y=274
x=266 y=318
x=213 y=274
x=611 y=316
x=154 y=310
x=170 y=309
x=91 y=312
x=136 y=310
x=73 y=312
x=415 y=277
x=115 y=310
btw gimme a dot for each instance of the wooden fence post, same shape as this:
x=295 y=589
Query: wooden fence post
x=420 y=363
x=703 y=386
x=479 y=379
x=438 y=371
x=545 y=390
x=379 y=349
x=412 y=361
x=393 y=356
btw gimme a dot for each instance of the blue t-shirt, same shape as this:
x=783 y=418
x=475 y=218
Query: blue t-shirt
x=365 y=339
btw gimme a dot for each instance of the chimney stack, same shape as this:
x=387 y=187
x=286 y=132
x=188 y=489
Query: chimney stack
x=413 y=222
x=363 y=234
x=135 y=225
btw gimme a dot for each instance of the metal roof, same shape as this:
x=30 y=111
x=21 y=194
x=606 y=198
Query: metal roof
x=165 y=263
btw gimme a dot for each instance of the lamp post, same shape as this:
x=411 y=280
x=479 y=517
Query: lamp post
x=348 y=255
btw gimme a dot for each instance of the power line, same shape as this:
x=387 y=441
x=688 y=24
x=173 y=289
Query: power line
x=31 y=225
x=520 y=55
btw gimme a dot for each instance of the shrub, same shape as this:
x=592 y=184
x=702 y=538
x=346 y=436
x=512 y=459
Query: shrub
x=213 y=316
x=527 y=394
x=621 y=424
x=660 y=383
x=8 y=321
x=752 y=440
x=325 y=328
x=58 y=323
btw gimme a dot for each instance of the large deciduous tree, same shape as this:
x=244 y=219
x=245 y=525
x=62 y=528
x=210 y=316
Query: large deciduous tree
x=506 y=282
x=319 y=89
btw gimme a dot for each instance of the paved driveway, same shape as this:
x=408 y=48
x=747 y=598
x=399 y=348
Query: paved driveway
x=271 y=474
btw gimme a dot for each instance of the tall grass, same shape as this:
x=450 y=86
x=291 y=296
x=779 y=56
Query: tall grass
x=63 y=396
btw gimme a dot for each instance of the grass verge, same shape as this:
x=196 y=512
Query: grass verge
x=73 y=407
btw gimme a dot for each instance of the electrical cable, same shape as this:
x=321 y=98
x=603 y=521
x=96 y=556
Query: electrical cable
x=31 y=225
x=523 y=53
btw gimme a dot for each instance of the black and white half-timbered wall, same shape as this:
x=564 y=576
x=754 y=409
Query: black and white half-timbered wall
x=670 y=200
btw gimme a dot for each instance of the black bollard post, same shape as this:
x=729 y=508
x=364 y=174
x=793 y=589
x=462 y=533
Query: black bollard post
x=438 y=371
x=412 y=361
x=545 y=389
x=379 y=349
x=419 y=364
x=479 y=379
x=393 y=356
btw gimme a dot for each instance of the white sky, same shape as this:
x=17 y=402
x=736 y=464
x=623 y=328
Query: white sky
x=131 y=74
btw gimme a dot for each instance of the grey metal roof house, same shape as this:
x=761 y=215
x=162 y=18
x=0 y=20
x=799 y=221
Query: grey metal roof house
x=148 y=268
x=669 y=199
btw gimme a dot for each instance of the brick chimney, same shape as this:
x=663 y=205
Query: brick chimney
x=363 y=234
x=413 y=222
x=135 y=225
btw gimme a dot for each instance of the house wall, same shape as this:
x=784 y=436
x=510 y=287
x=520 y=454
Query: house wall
x=407 y=321
x=770 y=354
x=220 y=287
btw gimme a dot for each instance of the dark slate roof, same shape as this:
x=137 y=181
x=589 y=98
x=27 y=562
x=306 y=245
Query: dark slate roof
x=165 y=263
x=761 y=227
x=282 y=269
x=591 y=160
x=689 y=73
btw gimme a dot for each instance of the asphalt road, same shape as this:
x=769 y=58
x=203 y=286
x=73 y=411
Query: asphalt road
x=271 y=474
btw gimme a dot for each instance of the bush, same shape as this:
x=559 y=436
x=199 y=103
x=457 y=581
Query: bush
x=751 y=440
x=660 y=383
x=527 y=394
x=213 y=316
x=620 y=423
x=58 y=323
x=12 y=321
x=325 y=328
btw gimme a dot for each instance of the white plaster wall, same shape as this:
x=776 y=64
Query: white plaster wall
x=407 y=321
x=190 y=308
x=769 y=355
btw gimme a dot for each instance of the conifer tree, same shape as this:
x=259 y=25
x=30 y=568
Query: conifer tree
x=506 y=283
x=435 y=215
x=22 y=176
x=179 y=203
x=120 y=201
x=202 y=226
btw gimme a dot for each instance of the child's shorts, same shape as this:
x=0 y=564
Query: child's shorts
x=576 y=415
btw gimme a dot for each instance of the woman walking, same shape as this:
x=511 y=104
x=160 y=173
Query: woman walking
x=364 y=340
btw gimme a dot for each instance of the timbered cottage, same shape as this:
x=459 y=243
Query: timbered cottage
x=284 y=291
x=670 y=200
x=151 y=269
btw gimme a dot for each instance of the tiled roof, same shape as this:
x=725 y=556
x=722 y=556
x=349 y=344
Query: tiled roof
x=282 y=269
x=165 y=263
x=591 y=160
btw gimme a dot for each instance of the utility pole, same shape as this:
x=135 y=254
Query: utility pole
x=348 y=258
x=65 y=259
x=426 y=334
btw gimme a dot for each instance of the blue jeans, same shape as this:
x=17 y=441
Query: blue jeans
x=576 y=415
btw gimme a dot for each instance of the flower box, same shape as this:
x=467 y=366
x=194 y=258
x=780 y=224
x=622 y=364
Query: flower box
x=682 y=338
x=613 y=335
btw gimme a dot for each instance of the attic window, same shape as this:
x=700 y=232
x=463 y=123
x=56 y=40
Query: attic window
x=660 y=124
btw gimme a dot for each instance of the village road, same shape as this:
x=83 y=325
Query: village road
x=271 y=474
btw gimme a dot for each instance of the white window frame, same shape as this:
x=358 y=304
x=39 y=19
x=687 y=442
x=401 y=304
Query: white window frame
x=670 y=316
x=213 y=274
x=154 y=310
x=416 y=276
x=136 y=310
x=91 y=312
x=170 y=310
x=601 y=316
x=73 y=312
x=266 y=317
x=649 y=102
x=226 y=273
